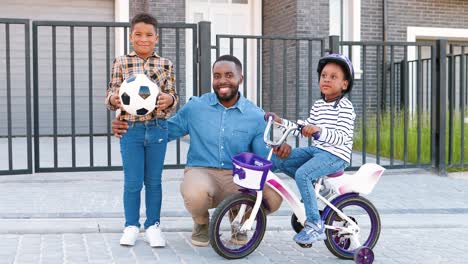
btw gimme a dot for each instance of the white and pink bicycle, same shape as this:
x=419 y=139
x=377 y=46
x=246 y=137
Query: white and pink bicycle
x=352 y=222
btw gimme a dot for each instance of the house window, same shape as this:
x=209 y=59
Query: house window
x=345 y=22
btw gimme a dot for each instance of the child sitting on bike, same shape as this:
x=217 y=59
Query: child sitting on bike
x=333 y=118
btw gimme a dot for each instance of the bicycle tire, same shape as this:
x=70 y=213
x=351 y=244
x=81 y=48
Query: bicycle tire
x=220 y=245
x=338 y=244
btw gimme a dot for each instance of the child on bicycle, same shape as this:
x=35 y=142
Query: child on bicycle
x=333 y=118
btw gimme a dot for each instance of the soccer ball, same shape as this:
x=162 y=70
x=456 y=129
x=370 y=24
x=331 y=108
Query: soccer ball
x=138 y=95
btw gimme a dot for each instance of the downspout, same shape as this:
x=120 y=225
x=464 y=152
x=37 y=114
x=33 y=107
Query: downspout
x=384 y=60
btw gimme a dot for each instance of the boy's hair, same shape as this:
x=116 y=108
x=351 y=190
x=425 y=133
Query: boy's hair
x=145 y=18
x=231 y=59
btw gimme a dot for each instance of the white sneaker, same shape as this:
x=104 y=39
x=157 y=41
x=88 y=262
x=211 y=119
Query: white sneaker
x=154 y=236
x=129 y=236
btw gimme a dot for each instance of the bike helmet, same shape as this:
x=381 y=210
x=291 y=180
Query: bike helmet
x=345 y=64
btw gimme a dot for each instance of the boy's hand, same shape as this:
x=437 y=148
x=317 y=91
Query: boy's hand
x=282 y=151
x=115 y=100
x=276 y=118
x=309 y=130
x=119 y=127
x=164 y=101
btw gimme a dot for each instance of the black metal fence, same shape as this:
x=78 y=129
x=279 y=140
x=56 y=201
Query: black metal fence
x=410 y=98
x=457 y=100
x=15 y=97
x=397 y=94
x=392 y=127
x=71 y=65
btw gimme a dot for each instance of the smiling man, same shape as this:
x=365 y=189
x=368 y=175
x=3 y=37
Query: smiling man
x=221 y=125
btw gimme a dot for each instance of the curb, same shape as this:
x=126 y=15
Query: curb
x=184 y=224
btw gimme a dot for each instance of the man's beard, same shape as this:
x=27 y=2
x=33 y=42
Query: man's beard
x=228 y=97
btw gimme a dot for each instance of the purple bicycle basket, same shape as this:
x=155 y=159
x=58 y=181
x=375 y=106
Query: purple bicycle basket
x=250 y=171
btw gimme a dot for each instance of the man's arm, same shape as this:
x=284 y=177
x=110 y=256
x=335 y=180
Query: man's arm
x=179 y=124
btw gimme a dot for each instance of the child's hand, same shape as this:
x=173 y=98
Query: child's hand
x=164 y=101
x=276 y=118
x=309 y=130
x=115 y=100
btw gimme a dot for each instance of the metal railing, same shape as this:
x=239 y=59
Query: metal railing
x=388 y=102
x=381 y=97
x=405 y=103
x=72 y=62
x=457 y=105
x=15 y=132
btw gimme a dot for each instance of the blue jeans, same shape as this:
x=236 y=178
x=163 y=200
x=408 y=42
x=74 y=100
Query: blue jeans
x=306 y=165
x=143 y=149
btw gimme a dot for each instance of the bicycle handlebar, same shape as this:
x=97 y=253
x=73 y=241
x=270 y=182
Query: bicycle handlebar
x=270 y=121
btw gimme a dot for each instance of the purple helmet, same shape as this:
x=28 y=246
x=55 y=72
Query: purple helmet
x=341 y=60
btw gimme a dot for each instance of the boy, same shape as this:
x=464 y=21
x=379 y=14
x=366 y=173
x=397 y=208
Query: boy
x=143 y=147
x=333 y=117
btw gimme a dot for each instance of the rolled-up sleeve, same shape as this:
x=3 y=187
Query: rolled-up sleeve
x=115 y=82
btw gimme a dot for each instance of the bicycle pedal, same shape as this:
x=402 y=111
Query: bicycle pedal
x=305 y=245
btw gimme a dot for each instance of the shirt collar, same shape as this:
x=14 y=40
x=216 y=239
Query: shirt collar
x=134 y=54
x=240 y=104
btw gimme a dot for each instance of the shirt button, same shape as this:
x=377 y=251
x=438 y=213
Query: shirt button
x=222 y=147
x=222 y=164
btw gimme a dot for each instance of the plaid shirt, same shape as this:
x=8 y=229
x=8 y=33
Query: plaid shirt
x=158 y=69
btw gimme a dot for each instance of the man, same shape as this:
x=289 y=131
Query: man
x=221 y=125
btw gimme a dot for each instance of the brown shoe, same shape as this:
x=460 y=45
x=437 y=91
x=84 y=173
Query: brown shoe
x=238 y=238
x=200 y=235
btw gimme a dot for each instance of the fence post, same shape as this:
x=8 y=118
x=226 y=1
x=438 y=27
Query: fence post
x=334 y=42
x=403 y=80
x=439 y=105
x=204 y=57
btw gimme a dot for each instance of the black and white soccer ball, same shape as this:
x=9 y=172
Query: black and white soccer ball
x=138 y=95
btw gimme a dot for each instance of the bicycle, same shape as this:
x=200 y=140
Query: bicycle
x=352 y=222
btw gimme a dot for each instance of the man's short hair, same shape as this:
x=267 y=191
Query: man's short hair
x=231 y=59
x=145 y=18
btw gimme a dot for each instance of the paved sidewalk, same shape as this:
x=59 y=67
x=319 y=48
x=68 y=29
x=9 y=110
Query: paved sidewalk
x=77 y=218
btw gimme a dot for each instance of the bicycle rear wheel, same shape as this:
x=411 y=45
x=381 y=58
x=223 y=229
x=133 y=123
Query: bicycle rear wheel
x=361 y=211
x=225 y=236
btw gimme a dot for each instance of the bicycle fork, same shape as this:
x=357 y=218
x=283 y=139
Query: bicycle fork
x=353 y=229
x=249 y=222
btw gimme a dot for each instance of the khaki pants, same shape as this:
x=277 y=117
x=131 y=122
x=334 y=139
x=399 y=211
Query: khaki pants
x=204 y=188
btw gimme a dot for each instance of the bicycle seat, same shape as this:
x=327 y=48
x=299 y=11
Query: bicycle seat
x=336 y=174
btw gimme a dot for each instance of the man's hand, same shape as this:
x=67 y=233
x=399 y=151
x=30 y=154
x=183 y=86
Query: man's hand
x=282 y=151
x=119 y=127
x=309 y=130
x=164 y=101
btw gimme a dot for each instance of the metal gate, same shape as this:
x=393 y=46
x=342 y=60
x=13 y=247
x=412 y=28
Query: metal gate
x=408 y=104
x=15 y=97
x=71 y=66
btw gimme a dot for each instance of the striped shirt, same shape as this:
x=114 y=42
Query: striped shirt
x=337 y=125
x=158 y=69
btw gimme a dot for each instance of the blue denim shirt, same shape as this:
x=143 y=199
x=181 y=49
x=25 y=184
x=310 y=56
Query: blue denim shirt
x=218 y=133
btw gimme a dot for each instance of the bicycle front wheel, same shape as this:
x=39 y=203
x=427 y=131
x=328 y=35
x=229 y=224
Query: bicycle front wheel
x=362 y=212
x=226 y=236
